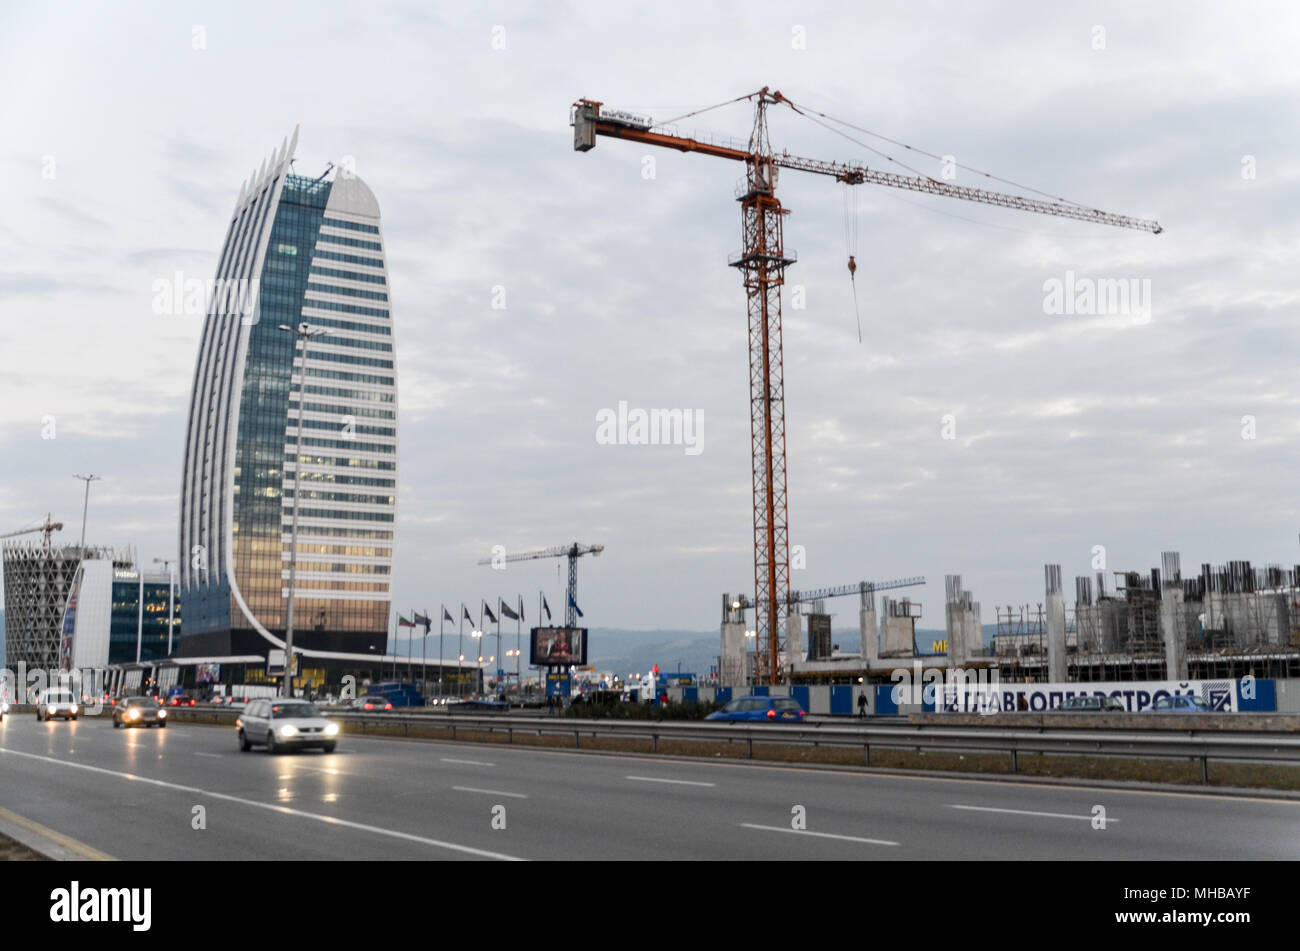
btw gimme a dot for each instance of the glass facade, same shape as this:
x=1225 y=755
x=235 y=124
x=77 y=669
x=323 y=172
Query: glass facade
x=125 y=626
x=241 y=464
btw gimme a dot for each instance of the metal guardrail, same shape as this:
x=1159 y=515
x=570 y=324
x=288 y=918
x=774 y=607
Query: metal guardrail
x=1281 y=749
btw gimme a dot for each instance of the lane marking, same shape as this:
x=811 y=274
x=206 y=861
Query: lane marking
x=490 y=792
x=272 y=807
x=820 y=835
x=210 y=755
x=1028 y=812
x=466 y=762
x=675 y=782
x=45 y=840
x=985 y=782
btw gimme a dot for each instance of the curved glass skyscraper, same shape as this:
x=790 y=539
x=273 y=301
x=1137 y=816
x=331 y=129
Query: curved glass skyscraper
x=297 y=250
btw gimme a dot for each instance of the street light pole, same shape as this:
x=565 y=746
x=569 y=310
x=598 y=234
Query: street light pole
x=303 y=332
x=85 y=508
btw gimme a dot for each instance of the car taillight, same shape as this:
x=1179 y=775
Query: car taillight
x=771 y=714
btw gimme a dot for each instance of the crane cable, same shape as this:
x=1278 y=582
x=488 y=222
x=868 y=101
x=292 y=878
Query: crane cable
x=809 y=113
x=851 y=246
x=706 y=109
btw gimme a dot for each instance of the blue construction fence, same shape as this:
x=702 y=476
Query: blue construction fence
x=1257 y=696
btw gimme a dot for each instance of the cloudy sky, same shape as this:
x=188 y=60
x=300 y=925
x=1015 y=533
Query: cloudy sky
x=126 y=130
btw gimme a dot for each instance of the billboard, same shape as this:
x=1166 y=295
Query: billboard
x=557 y=646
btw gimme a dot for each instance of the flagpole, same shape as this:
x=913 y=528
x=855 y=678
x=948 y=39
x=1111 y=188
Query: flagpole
x=460 y=649
x=519 y=633
x=424 y=651
x=442 y=618
x=500 y=663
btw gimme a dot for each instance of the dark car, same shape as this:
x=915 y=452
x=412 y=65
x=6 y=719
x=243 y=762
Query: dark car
x=1093 y=704
x=372 y=703
x=139 y=711
x=1180 y=703
x=760 y=709
x=182 y=700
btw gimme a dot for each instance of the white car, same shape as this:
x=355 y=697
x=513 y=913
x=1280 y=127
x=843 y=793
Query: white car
x=285 y=724
x=57 y=702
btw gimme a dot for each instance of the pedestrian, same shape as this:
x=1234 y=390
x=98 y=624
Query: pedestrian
x=862 y=705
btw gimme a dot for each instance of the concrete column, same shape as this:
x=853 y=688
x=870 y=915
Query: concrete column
x=794 y=637
x=973 y=631
x=732 y=673
x=1056 y=659
x=956 y=634
x=1174 y=633
x=869 y=635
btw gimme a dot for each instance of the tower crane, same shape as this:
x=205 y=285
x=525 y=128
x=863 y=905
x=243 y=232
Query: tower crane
x=573 y=552
x=762 y=263
x=47 y=528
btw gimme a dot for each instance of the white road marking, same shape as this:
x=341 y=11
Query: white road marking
x=820 y=835
x=1026 y=812
x=490 y=792
x=467 y=762
x=284 y=810
x=210 y=755
x=675 y=782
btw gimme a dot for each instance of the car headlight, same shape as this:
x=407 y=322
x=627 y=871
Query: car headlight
x=50 y=708
x=132 y=714
x=161 y=714
x=74 y=708
x=332 y=729
x=288 y=730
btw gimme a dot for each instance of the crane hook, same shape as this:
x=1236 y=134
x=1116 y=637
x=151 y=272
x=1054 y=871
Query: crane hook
x=853 y=267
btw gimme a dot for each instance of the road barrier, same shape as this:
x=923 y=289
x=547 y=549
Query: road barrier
x=1202 y=747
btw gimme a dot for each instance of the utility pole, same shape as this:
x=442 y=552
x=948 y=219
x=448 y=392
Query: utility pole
x=86 y=505
x=303 y=332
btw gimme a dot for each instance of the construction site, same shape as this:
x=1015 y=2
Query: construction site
x=1227 y=622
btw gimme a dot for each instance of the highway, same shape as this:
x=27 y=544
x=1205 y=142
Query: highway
x=131 y=794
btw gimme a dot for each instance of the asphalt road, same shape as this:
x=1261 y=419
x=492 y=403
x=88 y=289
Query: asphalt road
x=133 y=795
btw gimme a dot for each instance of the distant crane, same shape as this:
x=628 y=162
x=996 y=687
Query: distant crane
x=47 y=528
x=762 y=262
x=573 y=553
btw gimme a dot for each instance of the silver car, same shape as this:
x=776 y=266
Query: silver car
x=285 y=724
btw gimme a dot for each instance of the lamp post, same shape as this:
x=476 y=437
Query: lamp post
x=303 y=332
x=171 y=597
x=85 y=505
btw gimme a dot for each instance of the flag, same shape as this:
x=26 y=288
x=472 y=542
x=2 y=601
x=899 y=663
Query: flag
x=521 y=609
x=574 y=604
x=450 y=619
x=491 y=617
x=422 y=619
x=467 y=617
x=403 y=622
x=507 y=611
x=548 y=609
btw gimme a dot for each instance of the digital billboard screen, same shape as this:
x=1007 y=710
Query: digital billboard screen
x=558 y=646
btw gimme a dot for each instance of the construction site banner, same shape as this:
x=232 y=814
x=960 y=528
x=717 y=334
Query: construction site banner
x=1135 y=695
